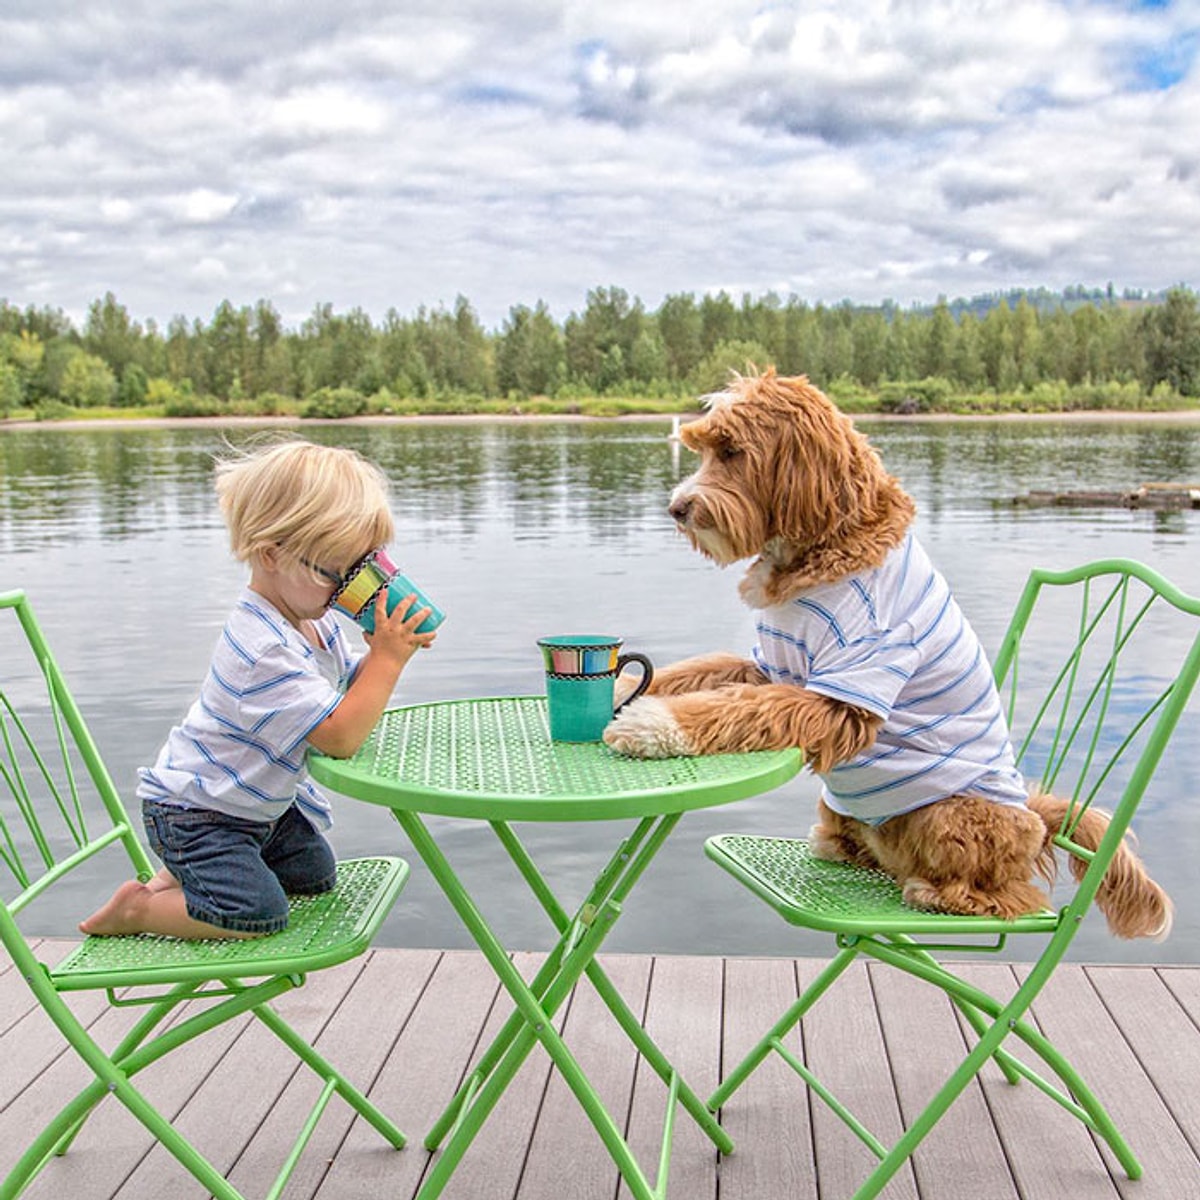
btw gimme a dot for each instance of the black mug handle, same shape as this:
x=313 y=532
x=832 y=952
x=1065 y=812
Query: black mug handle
x=647 y=675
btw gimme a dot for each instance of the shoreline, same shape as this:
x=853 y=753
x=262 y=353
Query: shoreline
x=1075 y=416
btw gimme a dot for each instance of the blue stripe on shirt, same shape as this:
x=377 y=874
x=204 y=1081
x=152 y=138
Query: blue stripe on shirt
x=933 y=765
x=825 y=615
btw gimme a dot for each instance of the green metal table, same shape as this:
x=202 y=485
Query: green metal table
x=492 y=760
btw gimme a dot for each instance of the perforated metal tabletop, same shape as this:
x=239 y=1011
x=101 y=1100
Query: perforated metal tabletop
x=494 y=759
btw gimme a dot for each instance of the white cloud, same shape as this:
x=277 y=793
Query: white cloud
x=117 y=210
x=323 y=110
x=377 y=155
x=203 y=205
x=210 y=270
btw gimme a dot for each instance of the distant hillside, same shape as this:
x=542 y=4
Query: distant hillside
x=1046 y=301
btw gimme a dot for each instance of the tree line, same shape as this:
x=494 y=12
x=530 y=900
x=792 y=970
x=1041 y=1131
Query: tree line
x=1100 y=352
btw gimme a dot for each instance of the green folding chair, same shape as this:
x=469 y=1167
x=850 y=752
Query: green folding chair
x=59 y=812
x=1090 y=720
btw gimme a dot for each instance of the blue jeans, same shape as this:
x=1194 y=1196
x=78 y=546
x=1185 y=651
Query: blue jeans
x=236 y=874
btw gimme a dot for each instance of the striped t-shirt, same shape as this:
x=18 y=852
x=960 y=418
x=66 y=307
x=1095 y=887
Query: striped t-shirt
x=893 y=641
x=241 y=748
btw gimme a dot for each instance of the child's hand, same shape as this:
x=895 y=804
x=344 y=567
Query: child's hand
x=396 y=634
x=393 y=643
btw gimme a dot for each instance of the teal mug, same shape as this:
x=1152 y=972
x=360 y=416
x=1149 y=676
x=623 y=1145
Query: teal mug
x=581 y=675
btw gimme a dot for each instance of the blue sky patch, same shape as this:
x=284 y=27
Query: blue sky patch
x=1157 y=68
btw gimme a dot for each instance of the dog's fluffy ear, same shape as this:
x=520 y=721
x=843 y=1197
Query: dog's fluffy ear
x=828 y=481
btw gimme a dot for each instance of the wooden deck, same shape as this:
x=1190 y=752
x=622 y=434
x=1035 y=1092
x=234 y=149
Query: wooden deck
x=406 y=1023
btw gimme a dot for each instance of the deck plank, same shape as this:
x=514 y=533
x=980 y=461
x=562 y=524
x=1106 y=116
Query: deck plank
x=425 y=1067
x=962 y=1155
x=1072 y=1015
x=844 y=1046
x=495 y=1162
x=1162 y=1036
x=686 y=1025
x=380 y=1003
x=1050 y=1153
x=769 y=1116
x=566 y=1156
x=223 y=1118
x=407 y=1024
x=29 y=1043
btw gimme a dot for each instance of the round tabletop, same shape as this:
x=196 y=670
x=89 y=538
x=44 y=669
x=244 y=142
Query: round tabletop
x=493 y=759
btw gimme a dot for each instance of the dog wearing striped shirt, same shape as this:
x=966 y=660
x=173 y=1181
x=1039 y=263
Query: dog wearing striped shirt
x=864 y=661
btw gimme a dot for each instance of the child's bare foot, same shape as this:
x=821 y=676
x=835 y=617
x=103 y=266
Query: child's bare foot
x=155 y=907
x=124 y=912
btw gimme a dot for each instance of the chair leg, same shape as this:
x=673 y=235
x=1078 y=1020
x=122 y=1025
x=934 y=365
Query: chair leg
x=154 y=1015
x=1006 y=1020
x=41 y=1150
x=976 y=1018
x=355 y=1098
x=991 y=1020
x=113 y=1073
x=781 y=1028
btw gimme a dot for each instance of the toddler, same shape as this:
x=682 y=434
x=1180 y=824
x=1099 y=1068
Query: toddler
x=228 y=805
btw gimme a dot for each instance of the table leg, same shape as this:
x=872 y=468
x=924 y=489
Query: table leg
x=536 y=1003
x=552 y=967
x=615 y=882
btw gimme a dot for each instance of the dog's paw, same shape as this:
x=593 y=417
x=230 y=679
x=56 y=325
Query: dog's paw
x=826 y=846
x=648 y=729
x=830 y=846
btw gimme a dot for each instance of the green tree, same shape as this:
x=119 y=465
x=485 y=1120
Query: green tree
x=1172 y=341
x=713 y=372
x=111 y=334
x=187 y=354
x=268 y=367
x=996 y=349
x=400 y=358
x=1090 y=344
x=801 y=339
x=455 y=349
x=88 y=381
x=529 y=352
x=23 y=354
x=681 y=327
x=869 y=339
x=966 y=364
x=1026 y=342
x=940 y=336
x=837 y=343
x=134 y=385
x=761 y=320
x=648 y=361
x=900 y=350
x=227 y=350
x=11 y=393
x=599 y=344
x=474 y=371
x=718 y=321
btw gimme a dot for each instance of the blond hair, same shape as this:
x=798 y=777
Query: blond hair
x=326 y=504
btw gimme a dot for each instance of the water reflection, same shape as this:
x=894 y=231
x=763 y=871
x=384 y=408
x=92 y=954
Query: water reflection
x=525 y=528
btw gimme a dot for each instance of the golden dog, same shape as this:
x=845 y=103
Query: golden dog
x=786 y=479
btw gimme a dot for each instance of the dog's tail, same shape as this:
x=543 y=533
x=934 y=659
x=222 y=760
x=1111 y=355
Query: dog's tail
x=1132 y=903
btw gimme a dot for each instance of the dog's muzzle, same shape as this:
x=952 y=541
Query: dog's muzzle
x=680 y=509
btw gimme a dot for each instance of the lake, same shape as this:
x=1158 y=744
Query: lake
x=521 y=528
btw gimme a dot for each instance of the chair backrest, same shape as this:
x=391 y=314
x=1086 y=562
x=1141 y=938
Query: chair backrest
x=58 y=806
x=1095 y=670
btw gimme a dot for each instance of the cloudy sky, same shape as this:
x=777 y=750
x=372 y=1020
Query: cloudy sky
x=398 y=153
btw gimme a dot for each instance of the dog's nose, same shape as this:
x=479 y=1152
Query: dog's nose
x=679 y=509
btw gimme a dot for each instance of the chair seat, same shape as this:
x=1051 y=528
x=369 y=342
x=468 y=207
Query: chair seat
x=840 y=897
x=322 y=930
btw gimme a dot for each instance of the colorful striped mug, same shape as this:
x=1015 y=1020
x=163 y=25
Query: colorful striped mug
x=365 y=580
x=581 y=674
